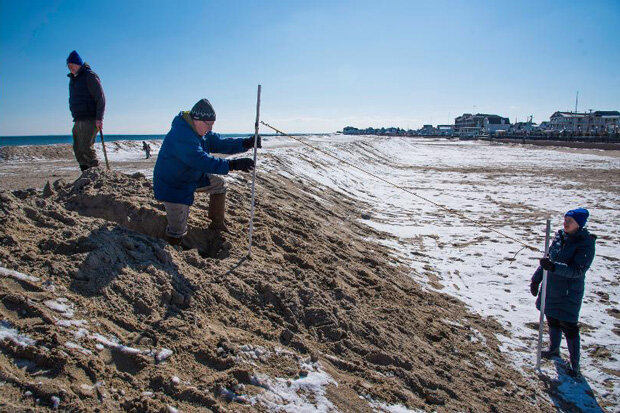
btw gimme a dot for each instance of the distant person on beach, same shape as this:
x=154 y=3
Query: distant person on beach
x=87 y=104
x=185 y=165
x=570 y=256
x=147 y=149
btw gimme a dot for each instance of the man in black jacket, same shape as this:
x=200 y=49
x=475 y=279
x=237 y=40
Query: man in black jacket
x=87 y=104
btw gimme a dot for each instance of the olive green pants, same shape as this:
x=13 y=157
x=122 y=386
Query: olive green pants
x=178 y=214
x=84 y=134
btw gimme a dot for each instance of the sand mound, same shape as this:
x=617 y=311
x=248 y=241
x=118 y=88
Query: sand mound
x=99 y=313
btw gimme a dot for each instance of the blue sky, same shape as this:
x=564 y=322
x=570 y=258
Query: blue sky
x=323 y=65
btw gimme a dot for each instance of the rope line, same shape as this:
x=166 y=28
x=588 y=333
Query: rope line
x=443 y=207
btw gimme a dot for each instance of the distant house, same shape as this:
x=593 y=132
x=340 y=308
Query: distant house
x=481 y=122
x=445 y=130
x=391 y=131
x=607 y=120
x=494 y=123
x=524 y=127
x=568 y=121
x=427 y=130
x=584 y=122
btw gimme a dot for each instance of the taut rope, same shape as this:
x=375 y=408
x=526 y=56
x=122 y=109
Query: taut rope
x=443 y=207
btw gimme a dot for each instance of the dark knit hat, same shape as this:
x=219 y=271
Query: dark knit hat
x=202 y=110
x=580 y=215
x=75 y=58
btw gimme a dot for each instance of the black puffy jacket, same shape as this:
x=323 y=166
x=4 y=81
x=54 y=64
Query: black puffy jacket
x=86 y=98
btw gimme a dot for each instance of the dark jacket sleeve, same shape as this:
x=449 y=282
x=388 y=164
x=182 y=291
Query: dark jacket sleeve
x=96 y=91
x=584 y=255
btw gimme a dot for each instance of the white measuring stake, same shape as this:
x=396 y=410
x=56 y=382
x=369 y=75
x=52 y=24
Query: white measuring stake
x=254 y=171
x=543 y=298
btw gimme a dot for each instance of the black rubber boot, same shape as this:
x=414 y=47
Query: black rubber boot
x=574 y=353
x=555 y=338
x=84 y=167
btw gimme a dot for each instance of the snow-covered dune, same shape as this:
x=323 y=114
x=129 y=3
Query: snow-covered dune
x=512 y=189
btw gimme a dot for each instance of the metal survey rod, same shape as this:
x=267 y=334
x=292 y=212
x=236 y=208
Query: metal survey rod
x=105 y=153
x=254 y=171
x=543 y=298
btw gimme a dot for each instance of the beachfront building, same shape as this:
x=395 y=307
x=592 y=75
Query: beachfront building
x=584 y=122
x=607 y=121
x=568 y=121
x=480 y=122
x=445 y=130
x=427 y=130
x=495 y=123
x=524 y=127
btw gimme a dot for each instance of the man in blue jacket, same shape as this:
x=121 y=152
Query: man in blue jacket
x=87 y=105
x=185 y=165
x=570 y=257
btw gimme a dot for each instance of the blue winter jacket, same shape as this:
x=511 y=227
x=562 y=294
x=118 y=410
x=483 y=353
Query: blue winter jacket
x=572 y=256
x=185 y=160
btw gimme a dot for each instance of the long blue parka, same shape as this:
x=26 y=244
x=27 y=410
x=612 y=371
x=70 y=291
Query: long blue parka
x=185 y=159
x=572 y=256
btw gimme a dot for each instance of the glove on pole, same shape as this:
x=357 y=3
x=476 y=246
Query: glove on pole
x=256 y=142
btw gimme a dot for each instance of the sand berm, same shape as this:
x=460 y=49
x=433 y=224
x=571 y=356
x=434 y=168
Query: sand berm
x=101 y=314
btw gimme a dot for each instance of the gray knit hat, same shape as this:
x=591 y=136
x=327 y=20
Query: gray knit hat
x=202 y=110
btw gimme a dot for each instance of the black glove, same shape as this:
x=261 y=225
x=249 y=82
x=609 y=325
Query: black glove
x=249 y=142
x=534 y=288
x=547 y=264
x=241 y=164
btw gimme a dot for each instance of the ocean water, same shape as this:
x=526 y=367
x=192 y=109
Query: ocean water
x=56 y=139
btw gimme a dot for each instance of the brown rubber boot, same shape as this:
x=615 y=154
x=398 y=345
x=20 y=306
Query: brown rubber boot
x=217 y=210
x=173 y=241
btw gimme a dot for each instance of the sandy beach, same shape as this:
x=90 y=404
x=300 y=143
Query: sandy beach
x=329 y=313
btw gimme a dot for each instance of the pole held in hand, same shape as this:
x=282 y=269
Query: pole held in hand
x=254 y=171
x=105 y=153
x=543 y=298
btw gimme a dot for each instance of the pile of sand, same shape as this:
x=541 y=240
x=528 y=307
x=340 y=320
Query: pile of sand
x=98 y=312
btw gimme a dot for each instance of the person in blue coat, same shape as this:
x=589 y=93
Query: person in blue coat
x=570 y=257
x=185 y=164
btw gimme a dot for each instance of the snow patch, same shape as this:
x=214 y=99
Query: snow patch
x=6 y=332
x=62 y=306
x=163 y=354
x=17 y=275
x=74 y=346
x=71 y=323
x=305 y=394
